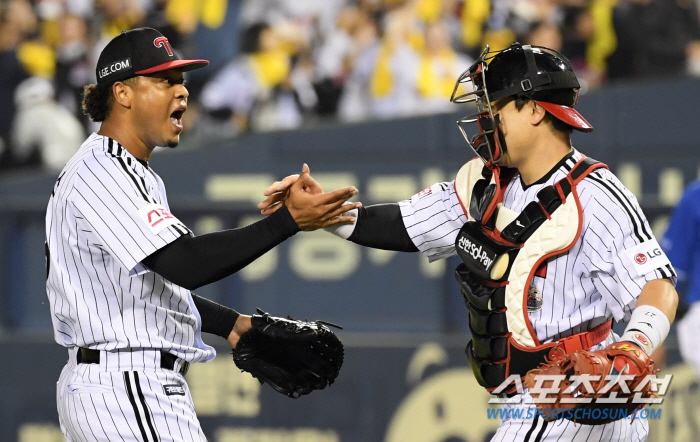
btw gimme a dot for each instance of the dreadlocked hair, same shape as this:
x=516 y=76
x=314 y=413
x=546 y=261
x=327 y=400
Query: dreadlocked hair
x=98 y=100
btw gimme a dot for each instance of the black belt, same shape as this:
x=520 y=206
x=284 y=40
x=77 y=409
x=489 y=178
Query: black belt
x=167 y=360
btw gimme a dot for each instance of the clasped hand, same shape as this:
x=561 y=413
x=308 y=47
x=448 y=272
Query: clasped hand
x=309 y=206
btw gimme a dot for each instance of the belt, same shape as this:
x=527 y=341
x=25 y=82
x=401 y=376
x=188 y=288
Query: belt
x=167 y=360
x=522 y=360
x=587 y=339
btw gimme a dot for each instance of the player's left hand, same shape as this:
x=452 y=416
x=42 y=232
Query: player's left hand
x=242 y=325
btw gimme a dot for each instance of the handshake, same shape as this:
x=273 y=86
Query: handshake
x=310 y=207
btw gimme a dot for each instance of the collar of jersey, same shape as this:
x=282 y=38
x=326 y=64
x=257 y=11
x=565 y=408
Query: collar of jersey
x=549 y=174
x=115 y=149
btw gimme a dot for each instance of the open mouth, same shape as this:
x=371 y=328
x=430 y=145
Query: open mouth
x=176 y=118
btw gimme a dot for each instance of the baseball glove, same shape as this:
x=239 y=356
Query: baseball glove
x=621 y=363
x=293 y=357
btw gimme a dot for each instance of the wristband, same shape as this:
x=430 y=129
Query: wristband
x=648 y=328
x=344 y=230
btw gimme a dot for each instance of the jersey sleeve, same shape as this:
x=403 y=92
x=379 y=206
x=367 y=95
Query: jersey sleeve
x=432 y=218
x=618 y=246
x=119 y=215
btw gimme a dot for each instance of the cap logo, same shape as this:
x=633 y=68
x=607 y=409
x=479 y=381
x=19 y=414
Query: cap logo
x=163 y=42
x=115 y=67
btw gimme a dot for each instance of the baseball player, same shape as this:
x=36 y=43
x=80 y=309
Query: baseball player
x=121 y=266
x=553 y=245
x=680 y=242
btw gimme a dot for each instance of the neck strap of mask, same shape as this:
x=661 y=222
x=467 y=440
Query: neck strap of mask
x=548 y=200
x=486 y=196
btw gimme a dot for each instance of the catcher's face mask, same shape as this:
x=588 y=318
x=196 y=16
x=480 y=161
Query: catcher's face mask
x=488 y=142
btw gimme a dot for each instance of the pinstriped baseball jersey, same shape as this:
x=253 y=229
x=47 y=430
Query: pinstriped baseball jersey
x=600 y=277
x=108 y=212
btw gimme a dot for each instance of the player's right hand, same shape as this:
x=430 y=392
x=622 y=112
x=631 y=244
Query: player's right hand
x=311 y=208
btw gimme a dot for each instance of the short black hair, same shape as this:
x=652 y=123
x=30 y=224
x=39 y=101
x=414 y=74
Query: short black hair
x=98 y=100
x=559 y=125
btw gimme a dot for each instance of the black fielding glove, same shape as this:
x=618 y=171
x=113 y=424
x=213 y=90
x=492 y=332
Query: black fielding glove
x=293 y=357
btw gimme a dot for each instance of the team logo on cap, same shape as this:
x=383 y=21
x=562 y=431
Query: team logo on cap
x=161 y=42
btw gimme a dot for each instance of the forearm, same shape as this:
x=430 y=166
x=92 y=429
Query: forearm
x=220 y=320
x=380 y=227
x=652 y=317
x=192 y=262
x=217 y=319
x=661 y=294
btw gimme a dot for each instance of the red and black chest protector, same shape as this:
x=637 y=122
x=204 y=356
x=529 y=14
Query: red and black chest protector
x=501 y=251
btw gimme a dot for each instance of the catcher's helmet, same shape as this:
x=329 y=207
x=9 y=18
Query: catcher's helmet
x=538 y=73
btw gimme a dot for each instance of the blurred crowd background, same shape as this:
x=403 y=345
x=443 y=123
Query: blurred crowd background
x=322 y=66
x=280 y=64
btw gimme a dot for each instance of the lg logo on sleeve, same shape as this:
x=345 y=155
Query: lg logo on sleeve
x=641 y=258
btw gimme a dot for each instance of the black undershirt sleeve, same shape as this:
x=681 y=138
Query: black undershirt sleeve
x=381 y=227
x=216 y=318
x=192 y=262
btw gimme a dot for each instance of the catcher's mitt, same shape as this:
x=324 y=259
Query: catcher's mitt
x=600 y=370
x=293 y=357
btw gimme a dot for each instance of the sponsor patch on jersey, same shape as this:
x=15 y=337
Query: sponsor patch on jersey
x=421 y=195
x=534 y=299
x=157 y=217
x=480 y=255
x=434 y=189
x=174 y=390
x=425 y=192
x=647 y=256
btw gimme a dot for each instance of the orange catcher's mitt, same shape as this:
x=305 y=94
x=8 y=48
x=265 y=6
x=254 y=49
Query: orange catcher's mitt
x=593 y=387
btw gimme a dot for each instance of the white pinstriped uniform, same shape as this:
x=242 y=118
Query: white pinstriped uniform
x=591 y=283
x=103 y=298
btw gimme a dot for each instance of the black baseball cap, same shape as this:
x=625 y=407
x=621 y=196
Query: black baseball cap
x=136 y=52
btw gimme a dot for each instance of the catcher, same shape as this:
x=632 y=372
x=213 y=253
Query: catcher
x=553 y=246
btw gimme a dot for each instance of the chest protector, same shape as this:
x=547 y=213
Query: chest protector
x=501 y=251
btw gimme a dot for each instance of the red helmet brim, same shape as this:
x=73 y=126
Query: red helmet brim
x=568 y=115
